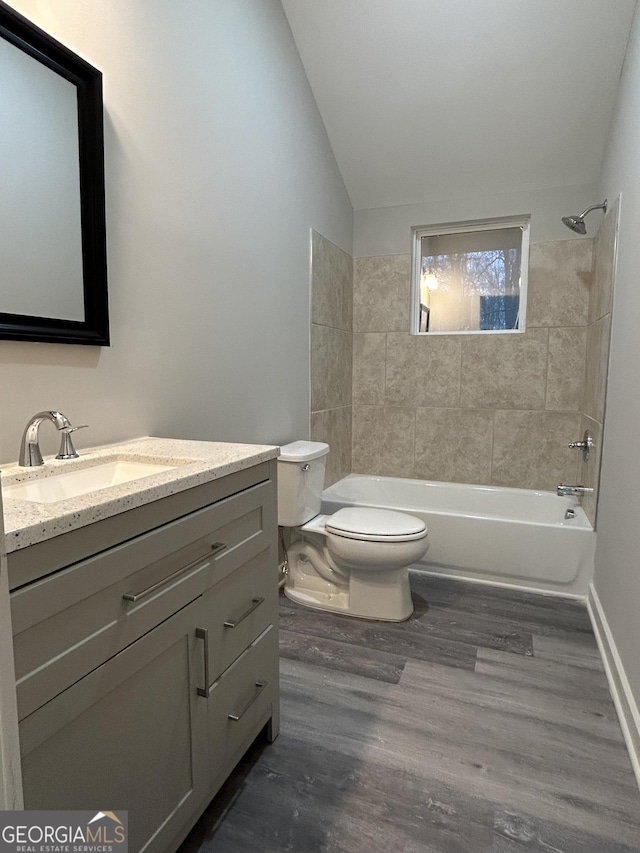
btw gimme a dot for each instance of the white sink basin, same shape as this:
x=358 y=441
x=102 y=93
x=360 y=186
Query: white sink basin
x=80 y=481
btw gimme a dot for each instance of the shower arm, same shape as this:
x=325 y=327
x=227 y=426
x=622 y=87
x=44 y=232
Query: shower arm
x=602 y=207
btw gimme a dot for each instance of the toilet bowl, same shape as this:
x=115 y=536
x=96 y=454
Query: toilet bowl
x=354 y=561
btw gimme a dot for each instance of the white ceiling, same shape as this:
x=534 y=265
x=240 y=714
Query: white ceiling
x=434 y=99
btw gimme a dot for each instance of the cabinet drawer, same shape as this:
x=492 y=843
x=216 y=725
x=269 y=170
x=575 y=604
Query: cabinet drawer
x=239 y=609
x=68 y=623
x=240 y=703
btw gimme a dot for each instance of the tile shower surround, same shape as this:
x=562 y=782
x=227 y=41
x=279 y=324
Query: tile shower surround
x=490 y=409
x=331 y=352
x=494 y=410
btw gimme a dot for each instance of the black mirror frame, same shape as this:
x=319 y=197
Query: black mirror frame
x=94 y=330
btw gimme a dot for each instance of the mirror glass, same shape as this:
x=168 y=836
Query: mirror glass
x=52 y=231
x=40 y=210
x=471 y=277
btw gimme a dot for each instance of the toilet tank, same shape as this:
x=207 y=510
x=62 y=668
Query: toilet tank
x=301 y=467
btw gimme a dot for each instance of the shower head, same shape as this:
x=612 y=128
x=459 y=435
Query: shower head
x=576 y=223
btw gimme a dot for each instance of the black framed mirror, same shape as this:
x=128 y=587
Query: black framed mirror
x=53 y=270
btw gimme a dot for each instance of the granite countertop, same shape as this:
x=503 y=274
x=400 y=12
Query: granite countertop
x=196 y=462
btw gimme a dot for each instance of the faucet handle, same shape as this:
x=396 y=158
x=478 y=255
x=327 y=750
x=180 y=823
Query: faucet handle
x=67 y=450
x=586 y=445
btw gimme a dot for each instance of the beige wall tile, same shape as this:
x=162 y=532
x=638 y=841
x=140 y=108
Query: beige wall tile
x=597 y=361
x=559 y=283
x=331 y=284
x=454 y=445
x=425 y=406
x=381 y=289
x=422 y=370
x=347 y=298
x=369 y=352
x=604 y=256
x=331 y=353
x=334 y=427
x=589 y=472
x=383 y=440
x=530 y=449
x=566 y=368
x=504 y=371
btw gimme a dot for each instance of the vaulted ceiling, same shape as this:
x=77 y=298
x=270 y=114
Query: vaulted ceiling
x=433 y=99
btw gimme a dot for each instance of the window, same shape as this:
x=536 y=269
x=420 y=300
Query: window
x=470 y=277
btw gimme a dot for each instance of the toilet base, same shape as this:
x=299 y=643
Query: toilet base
x=382 y=596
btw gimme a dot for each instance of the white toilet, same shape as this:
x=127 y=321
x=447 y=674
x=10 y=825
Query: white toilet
x=354 y=561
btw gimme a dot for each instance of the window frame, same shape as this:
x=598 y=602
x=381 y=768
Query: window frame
x=522 y=221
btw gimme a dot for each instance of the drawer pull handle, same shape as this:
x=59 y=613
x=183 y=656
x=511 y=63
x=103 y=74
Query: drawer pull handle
x=217 y=547
x=236 y=717
x=255 y=603
x=203 y=634
x=136 y=596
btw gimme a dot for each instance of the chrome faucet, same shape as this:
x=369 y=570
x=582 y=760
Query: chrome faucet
x=586 y=445
x=575 y=491
x=30 y=454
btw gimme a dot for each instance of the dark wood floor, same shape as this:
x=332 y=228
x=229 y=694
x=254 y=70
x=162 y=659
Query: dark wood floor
x=484 y=723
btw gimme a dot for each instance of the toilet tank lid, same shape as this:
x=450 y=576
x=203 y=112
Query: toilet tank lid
x=302 y=451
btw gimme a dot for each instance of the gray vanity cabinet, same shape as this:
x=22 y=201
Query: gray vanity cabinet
x=146 y=667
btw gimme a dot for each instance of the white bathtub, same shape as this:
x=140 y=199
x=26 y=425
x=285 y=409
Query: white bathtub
x=508 y=536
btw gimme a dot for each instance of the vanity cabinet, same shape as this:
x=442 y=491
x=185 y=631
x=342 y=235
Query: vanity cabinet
x=146 y=668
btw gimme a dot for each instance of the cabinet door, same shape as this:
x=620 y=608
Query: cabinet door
x=130 y=735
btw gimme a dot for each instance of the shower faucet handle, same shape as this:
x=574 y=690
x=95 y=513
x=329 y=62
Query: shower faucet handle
x=585 y=445
x=581 y=444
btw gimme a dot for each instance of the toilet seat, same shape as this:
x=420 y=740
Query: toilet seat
x=375 y=525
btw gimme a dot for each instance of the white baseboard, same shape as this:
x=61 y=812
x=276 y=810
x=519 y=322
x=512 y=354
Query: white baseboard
x=623 y=697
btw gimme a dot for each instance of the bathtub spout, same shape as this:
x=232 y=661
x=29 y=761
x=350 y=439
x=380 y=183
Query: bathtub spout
x=573 y=491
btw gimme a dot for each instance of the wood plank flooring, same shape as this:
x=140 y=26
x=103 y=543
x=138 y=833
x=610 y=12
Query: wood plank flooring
x=483 y=724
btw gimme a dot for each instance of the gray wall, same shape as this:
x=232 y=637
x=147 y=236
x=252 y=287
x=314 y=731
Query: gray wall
x=617 y=573
x=387 y=230
x=217 y=166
